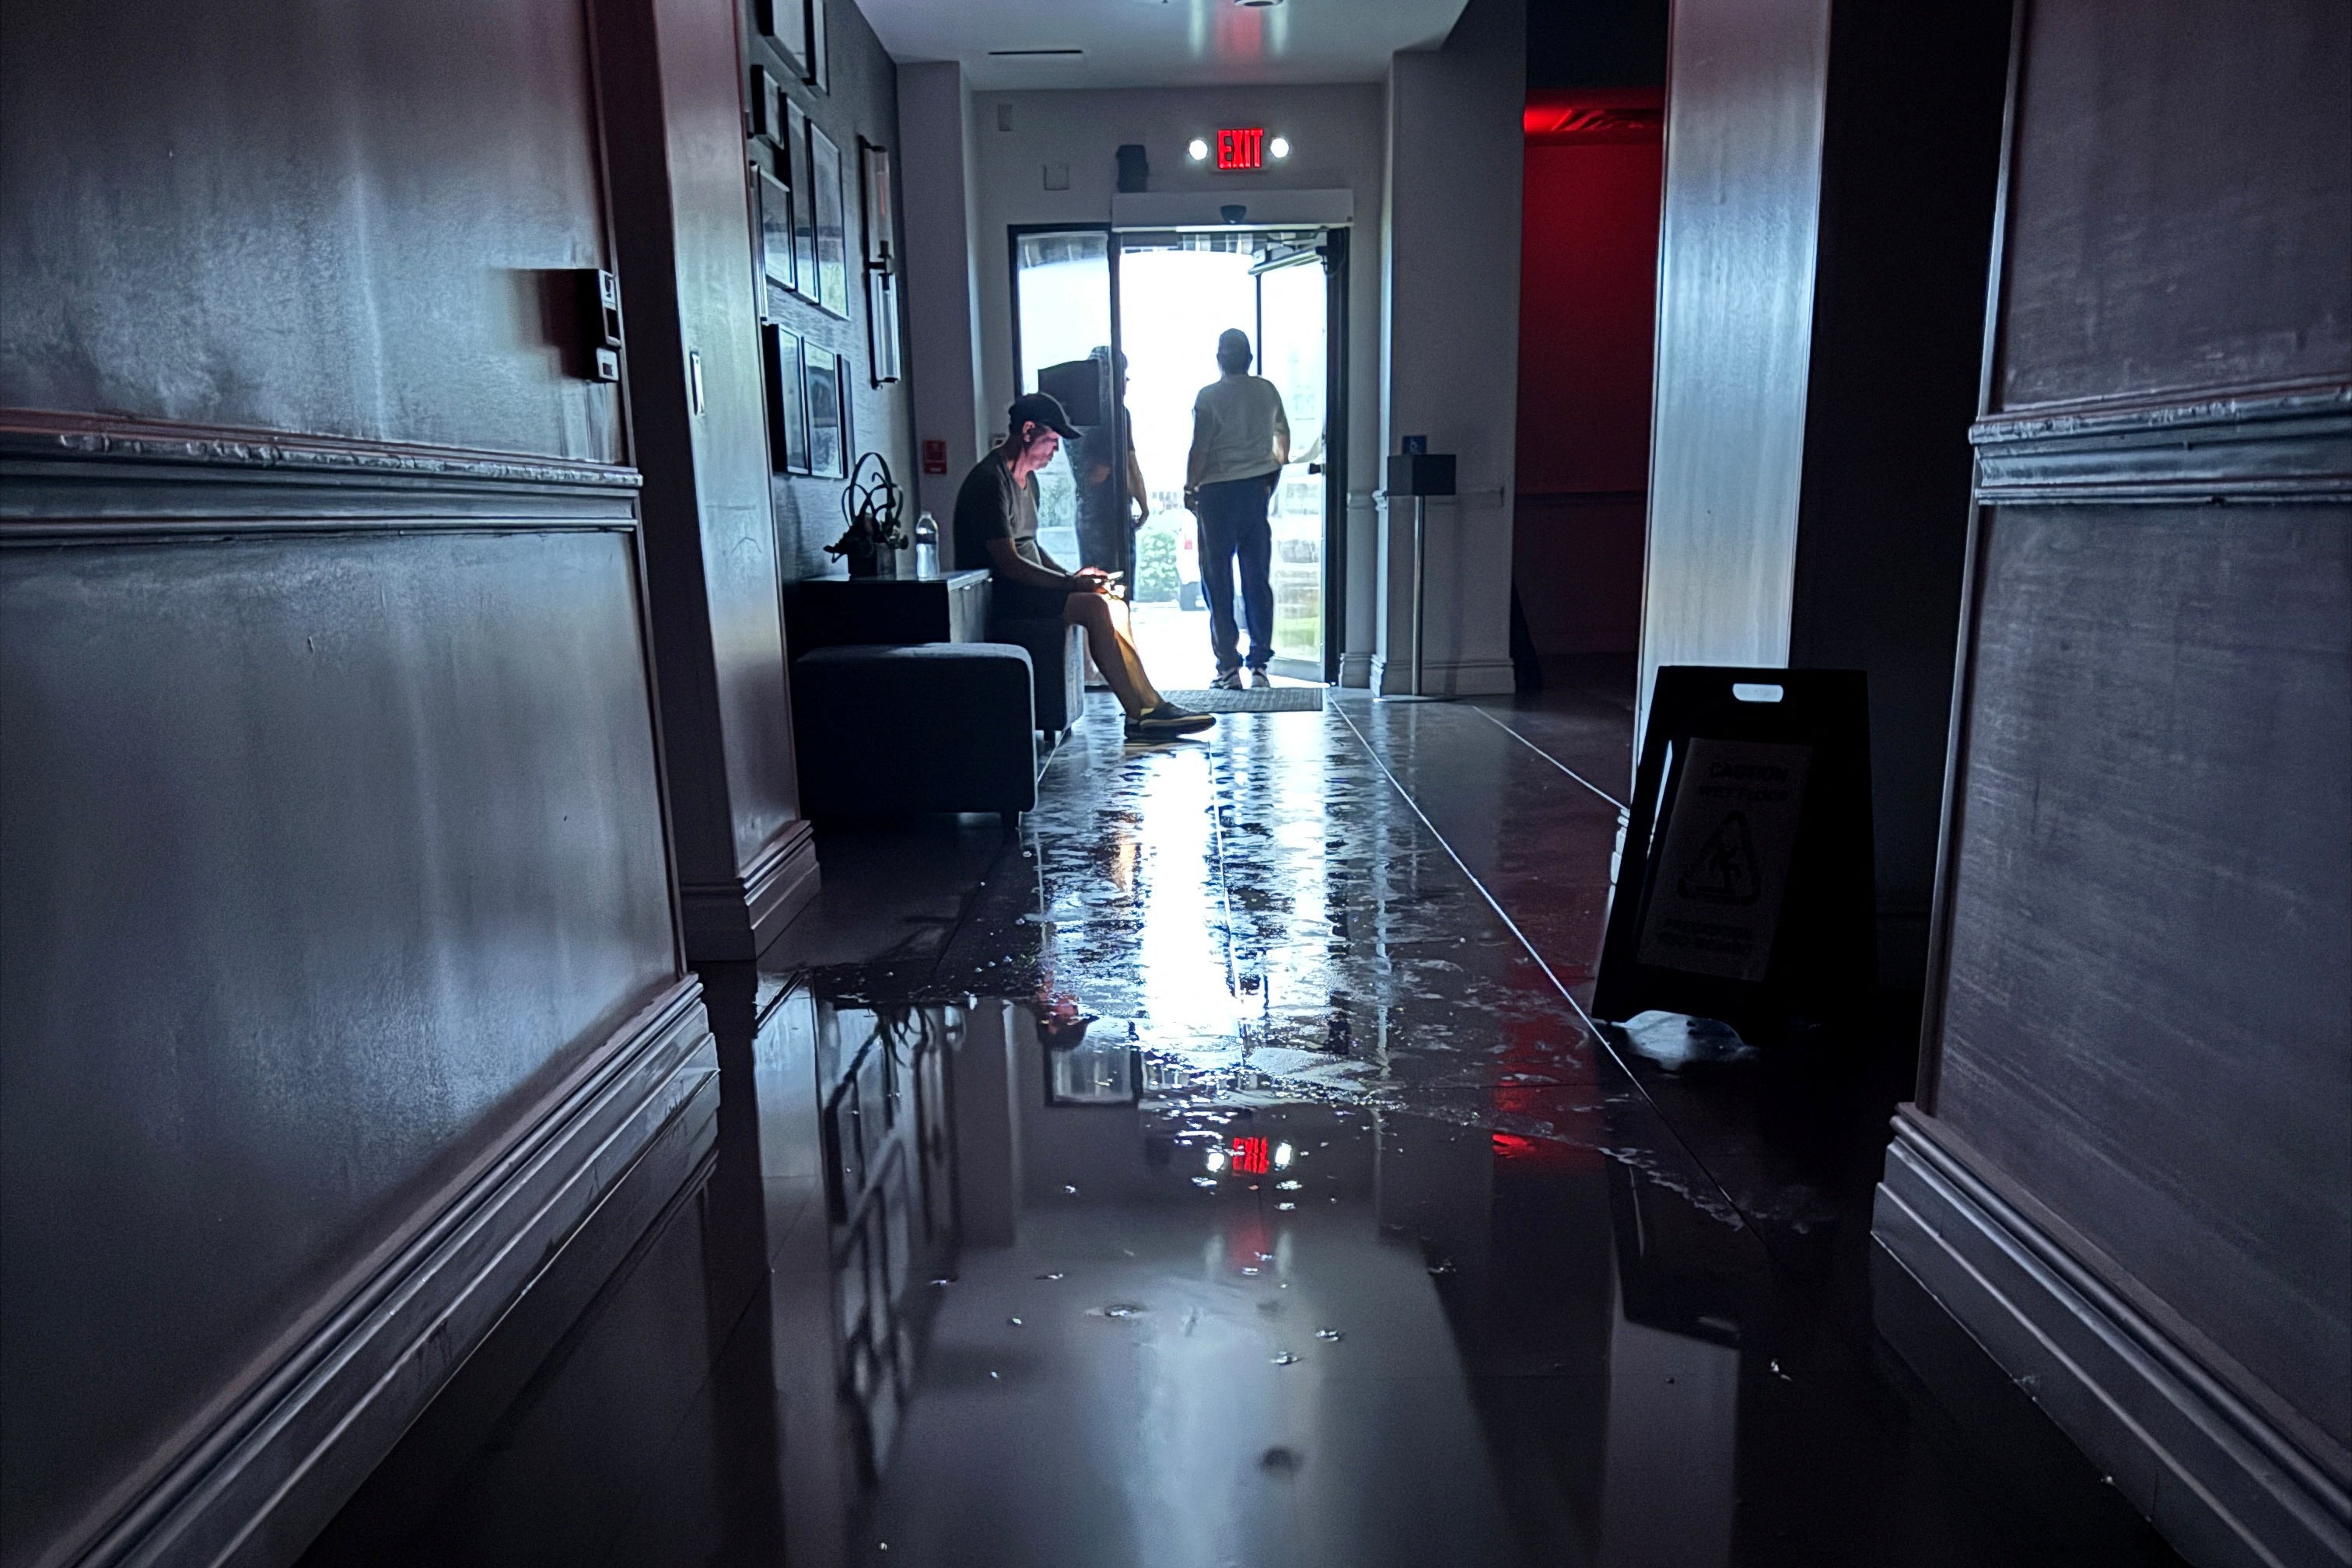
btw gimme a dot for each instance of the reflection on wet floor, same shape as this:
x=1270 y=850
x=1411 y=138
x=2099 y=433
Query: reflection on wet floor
x=1224 y=1174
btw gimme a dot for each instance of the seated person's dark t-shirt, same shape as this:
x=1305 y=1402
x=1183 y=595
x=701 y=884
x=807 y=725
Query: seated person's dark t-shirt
x=991 y=506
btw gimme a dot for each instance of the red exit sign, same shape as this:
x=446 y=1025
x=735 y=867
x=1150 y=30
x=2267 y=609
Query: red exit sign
x=1242 y=147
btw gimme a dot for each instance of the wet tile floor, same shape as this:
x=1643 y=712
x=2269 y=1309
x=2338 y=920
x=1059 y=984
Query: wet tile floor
x=1225 y=1172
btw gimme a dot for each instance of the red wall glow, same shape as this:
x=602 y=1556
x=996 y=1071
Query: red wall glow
x=1587 y=303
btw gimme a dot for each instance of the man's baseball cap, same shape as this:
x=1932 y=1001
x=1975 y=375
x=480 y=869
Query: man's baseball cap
x=1040 y=408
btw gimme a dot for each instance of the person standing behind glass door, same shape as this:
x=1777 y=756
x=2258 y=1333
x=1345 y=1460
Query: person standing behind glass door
x=1112 y=504
x=1241 y=439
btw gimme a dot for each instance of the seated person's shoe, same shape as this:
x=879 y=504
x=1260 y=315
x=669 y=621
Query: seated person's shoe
x=1167 y=720
x=1259 y=679
x=1227 y=681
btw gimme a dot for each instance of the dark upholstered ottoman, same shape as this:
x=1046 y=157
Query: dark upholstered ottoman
x=890 y=731
x=1057 y=650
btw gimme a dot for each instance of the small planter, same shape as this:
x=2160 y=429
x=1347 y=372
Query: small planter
x=880 y=561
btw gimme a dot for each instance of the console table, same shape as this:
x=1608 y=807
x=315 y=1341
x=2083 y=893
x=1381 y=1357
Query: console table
x=836 y=611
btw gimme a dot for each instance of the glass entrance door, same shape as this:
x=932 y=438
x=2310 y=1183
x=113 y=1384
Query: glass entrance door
x=1062 y=343
x=1123 y=328
x=1294 y=353
x=1177 y=292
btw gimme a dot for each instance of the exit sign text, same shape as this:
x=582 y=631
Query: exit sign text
x=1242 y=147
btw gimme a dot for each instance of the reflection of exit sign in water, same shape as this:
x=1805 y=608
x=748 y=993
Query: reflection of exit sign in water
x=1242 y=148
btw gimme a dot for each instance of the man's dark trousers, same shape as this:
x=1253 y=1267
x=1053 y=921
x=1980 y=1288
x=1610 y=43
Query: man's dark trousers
x=1234 y=527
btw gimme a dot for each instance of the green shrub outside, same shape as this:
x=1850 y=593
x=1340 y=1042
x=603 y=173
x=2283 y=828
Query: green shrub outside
x=1155 y=562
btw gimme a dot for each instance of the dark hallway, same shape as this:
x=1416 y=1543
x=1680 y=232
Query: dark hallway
x=1224 y=784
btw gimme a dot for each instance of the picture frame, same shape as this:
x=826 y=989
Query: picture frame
x=828 y=413
x=797 y=129
x=882 y=327
x=784 y=25
x=772 y=232
x=816 y=56
x=788 y=423
x=874 y=181
x=832 y=225
x=767 y=105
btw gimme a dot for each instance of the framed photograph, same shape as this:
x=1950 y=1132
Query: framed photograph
x=828 y=413
x=823 y=184
x=813 y=68
x=767 y=104
x=797 y=128
x=788 y=420
x=874 y=178
x=882 y=326
x=775 y=233
x=784 y=24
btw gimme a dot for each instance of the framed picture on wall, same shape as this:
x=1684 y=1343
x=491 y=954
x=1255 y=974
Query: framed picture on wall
x=828 y=413
x=874 y=180
x=814 y=52
x=775 y=235
x=832 y=225
x=784 y=24
x=882 y=326
x=788 y=414
x=767 y=104
x=803 y=210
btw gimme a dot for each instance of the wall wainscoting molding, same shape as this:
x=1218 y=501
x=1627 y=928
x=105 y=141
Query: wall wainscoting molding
x=292 y=1448
x=2223 y=1482
x=733 y=919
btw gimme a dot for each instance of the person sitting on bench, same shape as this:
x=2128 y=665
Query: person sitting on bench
x=996 y=531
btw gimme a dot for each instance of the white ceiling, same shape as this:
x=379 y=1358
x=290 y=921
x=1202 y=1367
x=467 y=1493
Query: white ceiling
x=1160 y=43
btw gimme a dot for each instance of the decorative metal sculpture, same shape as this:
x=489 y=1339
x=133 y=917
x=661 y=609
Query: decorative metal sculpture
x=872 y=505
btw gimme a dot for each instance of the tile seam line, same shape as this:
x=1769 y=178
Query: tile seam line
x=1665 y=1121
x=1622 y=805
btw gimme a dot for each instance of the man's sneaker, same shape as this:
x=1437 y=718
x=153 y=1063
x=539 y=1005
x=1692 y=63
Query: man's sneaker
x=1227 y=681
x=1167 y=720
x=1259 y=680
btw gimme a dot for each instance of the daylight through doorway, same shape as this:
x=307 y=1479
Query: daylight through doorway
x=1168 y=296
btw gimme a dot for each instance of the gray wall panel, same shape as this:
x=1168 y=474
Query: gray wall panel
x=2147 y=255
x=320 y=853
x=346 y=220
x=2148 y=1023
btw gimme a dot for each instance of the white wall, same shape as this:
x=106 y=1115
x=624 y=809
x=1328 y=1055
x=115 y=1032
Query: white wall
x=936 y=172
x=1336 y=134
x=1450 y=301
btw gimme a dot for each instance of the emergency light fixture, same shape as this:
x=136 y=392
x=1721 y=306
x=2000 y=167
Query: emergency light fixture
x=1242 y=147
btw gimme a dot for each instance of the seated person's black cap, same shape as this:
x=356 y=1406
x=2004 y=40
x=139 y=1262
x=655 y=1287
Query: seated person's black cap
x=1041 y=408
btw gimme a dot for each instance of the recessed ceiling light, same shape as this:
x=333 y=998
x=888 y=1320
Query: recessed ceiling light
x=1198 y=152
x=1279 y=147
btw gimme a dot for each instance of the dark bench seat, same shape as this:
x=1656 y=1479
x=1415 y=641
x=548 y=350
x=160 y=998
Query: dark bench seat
x=895 y=730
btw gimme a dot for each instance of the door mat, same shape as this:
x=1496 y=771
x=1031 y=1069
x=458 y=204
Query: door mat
x=1260 y=700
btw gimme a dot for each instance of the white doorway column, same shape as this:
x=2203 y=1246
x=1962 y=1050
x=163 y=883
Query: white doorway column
x=1450 y=343
x=936 y=166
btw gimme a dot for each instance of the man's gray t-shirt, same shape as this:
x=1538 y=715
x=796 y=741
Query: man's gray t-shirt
x=991 y=506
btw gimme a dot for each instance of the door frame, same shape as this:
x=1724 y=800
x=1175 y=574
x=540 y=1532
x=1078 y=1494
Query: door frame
x=1333 y=248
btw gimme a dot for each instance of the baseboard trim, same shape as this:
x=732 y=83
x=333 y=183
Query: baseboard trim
x=1356 y=669
x=1459 y=678
x=2224 y=1484
x=258 y=1487
x=731 y=921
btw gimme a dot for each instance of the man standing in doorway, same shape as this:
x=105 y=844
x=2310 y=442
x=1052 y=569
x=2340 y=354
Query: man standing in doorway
x=1241 y=439
x=996 y=531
